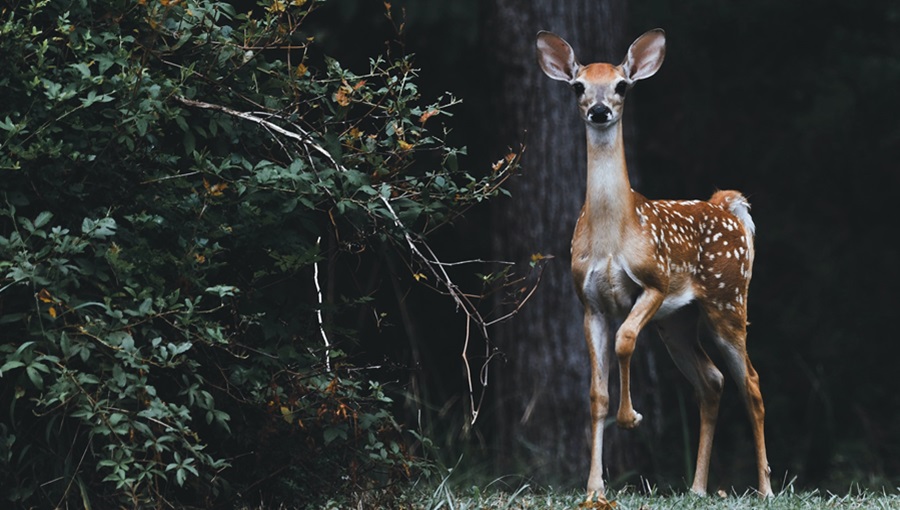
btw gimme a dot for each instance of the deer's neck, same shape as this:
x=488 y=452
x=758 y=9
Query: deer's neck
x=609 y=205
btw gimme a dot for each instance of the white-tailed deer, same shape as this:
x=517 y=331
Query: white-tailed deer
x=679 y=263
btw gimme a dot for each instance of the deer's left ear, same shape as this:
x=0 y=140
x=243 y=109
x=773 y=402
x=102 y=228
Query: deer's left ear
x=645 y=56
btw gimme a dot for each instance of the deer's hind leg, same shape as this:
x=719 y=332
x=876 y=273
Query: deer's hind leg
x=730 y=334
x=679 y=332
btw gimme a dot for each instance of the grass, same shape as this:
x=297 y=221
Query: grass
x=525 y=497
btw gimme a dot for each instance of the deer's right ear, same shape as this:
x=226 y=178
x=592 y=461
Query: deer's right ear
x=556 y=57
x=645 y=55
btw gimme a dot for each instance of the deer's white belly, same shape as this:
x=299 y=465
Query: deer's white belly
x=675 y=300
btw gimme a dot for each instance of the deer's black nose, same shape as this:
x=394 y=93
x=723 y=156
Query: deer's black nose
x=599 y=113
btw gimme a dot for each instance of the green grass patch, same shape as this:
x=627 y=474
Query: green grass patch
x=526 y=497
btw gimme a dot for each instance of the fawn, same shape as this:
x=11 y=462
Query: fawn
x=679 y=263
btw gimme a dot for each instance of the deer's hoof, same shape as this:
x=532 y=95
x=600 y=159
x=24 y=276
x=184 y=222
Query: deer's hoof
x=629 y=420
x=601 y=503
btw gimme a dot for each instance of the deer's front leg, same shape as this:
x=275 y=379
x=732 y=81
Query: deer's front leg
x=598 y=333
x=644 y=308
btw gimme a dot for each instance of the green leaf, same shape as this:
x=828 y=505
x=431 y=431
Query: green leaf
x=332 y=433
x=7 y=124
x=122 y=339
x=141 y=124
x=92 y=98
x=146 y=307
x=10 y=365
x=35 y=377
x=116 y=418
x=189 y=142
x=42 y=219
x=99 y=229
x=223 y=290
x=82 y=68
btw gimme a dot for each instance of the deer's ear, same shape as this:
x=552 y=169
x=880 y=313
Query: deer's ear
x=556 y=57
x=645 y=56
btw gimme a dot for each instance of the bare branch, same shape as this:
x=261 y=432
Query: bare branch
x=319 y=311
x=303 y=137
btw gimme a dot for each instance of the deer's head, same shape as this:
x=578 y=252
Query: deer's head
x=601 y=87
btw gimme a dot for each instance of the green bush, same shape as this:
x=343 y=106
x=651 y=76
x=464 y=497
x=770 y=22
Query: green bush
x=174 y=172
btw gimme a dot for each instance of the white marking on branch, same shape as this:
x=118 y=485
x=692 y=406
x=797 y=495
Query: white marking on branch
x=319 y=311
x=303 y=137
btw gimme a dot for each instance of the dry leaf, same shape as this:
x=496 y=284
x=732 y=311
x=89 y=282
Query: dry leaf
x=215 y=190
x=427 y=115
x=342 y=96
x=44 y=296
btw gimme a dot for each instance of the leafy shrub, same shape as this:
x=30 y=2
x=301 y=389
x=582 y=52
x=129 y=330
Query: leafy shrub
x=174 y=174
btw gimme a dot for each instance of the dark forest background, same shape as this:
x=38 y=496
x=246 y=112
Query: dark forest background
x=796 y=105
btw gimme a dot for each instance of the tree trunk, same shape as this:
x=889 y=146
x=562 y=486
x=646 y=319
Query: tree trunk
x=543 y=420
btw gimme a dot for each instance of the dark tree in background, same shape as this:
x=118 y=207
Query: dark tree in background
x=542 y=417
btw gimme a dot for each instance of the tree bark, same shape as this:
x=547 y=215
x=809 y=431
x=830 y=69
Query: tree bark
x=541 y=387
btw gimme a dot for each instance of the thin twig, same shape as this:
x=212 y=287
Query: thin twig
x=319 y=311
x=169 y=177
x=461 y=300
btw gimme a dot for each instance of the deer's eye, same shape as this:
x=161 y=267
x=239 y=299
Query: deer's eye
x=621 y=87
x=578 y=87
